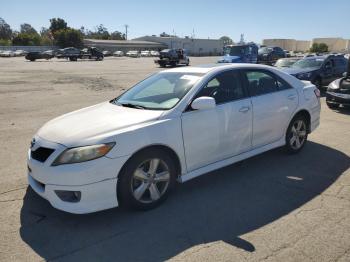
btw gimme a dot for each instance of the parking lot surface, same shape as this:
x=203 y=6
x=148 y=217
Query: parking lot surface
x=272 y=207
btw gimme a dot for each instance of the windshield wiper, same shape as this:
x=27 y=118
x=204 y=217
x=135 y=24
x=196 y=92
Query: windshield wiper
x=132 y=105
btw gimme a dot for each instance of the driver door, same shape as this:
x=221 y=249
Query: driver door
x=214 y=134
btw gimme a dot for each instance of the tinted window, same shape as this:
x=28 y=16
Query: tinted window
x=340 y=62
x=224 y=87
x=261 y=82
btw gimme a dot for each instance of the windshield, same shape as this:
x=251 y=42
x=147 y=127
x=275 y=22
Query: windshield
x=161 y=91
x=285 y=62
x=306 y=63
x=264 y=50
x=235 y=50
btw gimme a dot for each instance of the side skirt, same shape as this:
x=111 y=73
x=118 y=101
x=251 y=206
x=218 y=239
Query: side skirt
x=230 y=161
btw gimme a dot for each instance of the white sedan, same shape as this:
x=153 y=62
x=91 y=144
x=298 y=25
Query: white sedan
x=174 y=125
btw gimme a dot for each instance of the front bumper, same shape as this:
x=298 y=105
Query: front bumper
x=96 y=180
x=337 y=98
x=94 y=197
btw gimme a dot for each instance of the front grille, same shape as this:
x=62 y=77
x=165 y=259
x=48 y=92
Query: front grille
x=41 y=154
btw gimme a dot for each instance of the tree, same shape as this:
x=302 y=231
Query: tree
x=5 y=30
x=116 y=35
x=319 y=48
x=68 y=37
x=226 y=40
x=57 y=24
x=26 y=39
x=27 y=29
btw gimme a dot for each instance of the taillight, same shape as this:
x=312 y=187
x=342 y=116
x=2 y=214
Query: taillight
x=317 y=93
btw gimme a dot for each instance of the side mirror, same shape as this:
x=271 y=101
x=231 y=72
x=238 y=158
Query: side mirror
x=345 y=74
x=327 y=66
x=203 y=102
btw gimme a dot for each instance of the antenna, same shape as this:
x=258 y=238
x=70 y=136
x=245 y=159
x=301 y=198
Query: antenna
x=241 y=41
x=126 y=31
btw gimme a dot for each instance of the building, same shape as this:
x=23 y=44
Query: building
x=335 y=44
x=194 y=46
x=288 y=44
x=123 y=45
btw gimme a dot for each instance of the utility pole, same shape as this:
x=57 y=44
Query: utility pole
x=126 y=32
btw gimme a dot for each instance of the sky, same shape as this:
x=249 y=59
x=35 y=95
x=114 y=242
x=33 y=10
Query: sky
x=296 y=19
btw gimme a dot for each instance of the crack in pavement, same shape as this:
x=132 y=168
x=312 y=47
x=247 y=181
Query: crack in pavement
x=15 y=189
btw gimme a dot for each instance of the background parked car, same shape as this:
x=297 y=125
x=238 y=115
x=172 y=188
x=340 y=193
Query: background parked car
x=133 y=53
x=320 y=70
x=145 y=53
x=20 y=53
x=286 y=62
x=154 y=53
x=107 y=53
x=32 y=56
x=7 y=54
x=338 y=92
x=118 y=53
x=269 y=55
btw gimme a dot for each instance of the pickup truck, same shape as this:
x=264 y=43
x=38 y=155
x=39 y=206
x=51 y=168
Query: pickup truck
x=73 y=54
x=172 y=57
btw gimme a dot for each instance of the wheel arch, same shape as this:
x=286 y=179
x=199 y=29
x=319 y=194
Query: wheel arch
x=168 y=150
x=305 y=113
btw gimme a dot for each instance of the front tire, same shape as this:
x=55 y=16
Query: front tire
x=146 y=180
x=296 y=135
x=332 y=106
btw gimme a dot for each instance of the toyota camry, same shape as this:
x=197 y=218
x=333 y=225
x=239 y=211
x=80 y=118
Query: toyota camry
x=171 y=127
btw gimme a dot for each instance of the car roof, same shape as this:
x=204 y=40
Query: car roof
x=206 y=68
x=316 y=57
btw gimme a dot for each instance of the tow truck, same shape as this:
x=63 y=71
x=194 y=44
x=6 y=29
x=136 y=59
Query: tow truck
x=172 y=57
x=241 y=53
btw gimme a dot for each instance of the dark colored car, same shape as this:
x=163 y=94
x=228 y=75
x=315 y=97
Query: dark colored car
x=286 y=62
x=91 y=53
x=247 y=53
x=338 y=92
x=71 y=53
x=270 y=54
x=32 y=56
x=172 y=57
x=320 y=70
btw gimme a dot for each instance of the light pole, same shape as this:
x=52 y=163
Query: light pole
x=126 y=32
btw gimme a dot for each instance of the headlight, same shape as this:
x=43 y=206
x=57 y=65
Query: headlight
x=334 y=84
x=82 y=154
x=304 y=75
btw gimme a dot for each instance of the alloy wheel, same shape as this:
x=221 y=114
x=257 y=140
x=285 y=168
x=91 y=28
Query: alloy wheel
x=298 y=134
x=150 y=180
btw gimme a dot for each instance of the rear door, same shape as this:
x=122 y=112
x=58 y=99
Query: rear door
x=274 y=102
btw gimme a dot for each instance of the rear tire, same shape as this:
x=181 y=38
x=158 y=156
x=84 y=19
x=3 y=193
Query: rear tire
x=296 y=135
x=146 y=179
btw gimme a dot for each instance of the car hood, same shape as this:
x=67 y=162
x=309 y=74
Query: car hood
x=94 y=123
x=295 y=71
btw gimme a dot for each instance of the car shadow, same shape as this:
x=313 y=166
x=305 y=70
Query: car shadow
x=220 y=206
x=343 y=110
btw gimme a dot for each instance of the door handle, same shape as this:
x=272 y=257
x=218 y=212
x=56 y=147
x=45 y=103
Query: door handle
x=244 y=109
x=291 y=97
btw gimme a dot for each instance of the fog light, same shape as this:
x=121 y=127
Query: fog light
x=69 y=196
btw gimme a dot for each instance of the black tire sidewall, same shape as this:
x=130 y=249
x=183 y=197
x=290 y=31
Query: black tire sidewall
x=288 y=147
x=125 y=195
